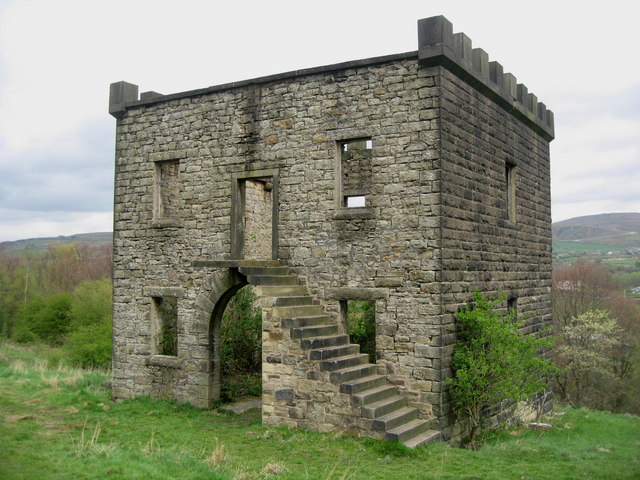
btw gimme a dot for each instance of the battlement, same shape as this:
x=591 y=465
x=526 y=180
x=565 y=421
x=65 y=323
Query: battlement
x=438 y=45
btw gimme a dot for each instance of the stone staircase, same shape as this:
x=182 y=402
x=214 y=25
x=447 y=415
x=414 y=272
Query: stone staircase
x=319 y=334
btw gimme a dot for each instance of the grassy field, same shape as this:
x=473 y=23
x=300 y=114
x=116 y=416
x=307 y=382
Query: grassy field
x=58 y=423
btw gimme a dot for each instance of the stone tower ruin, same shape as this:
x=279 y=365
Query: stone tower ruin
x=408 y=180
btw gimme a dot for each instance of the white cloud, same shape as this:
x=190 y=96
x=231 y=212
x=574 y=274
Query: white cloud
x=58 y=58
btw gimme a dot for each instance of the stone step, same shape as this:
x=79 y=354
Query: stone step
x=261 y=271
x=352 y=373
x=360 y=384
x=273 y=280
x=331 y=352
x=323 y=342
x=280 y=290
x=375 y=394
x=296 y=322
x=383 y=407
x=394 y=419
x=426 y=437
x=347 y=361
x=315 y=331
x=297 y=311
x=294 y=300
x=407 y=431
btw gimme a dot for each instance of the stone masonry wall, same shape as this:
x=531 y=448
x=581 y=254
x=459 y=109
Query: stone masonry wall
x=442 y=130
x=295 y=126
x=482 y=249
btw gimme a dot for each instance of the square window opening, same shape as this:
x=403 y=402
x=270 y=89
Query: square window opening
x=355 y=172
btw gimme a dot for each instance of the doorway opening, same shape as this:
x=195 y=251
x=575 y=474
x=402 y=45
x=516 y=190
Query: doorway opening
x=240 y=347
x=255 y=215
x=359 y=318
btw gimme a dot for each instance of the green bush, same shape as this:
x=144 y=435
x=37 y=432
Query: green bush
x=46 y=319
x=494 y=361
x=90 y=346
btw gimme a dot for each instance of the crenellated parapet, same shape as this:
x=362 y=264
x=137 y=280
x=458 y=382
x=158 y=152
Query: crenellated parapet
x=438 y=45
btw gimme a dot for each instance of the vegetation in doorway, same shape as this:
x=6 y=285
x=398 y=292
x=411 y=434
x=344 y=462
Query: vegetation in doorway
x=241 y=347
x=167 y=309
x=361 y=322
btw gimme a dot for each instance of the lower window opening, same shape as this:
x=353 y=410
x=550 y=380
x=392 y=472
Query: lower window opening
x=166 y=312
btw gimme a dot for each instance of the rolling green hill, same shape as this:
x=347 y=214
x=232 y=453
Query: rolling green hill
x=20 y=247
x=616 y=230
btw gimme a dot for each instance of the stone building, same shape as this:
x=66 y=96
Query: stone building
x=408 y=180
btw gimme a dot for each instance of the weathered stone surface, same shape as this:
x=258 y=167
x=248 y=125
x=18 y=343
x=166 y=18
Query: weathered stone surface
x=430 y=134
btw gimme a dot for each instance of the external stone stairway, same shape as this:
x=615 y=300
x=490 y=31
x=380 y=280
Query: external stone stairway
x=385 y=411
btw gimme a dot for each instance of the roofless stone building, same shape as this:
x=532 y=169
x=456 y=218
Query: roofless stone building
x=409 y=180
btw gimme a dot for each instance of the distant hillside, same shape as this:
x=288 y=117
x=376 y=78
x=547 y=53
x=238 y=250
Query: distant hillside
x=615 y=229
x=19 y=247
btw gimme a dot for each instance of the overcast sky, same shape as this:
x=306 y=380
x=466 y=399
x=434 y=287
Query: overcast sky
x=57 y=59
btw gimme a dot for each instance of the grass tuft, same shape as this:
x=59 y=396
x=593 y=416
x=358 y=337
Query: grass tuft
x=273 y=469
x=217 y=457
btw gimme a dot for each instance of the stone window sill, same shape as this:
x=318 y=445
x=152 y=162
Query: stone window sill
x=165 y=361
x=354 y=213
x=166 y=223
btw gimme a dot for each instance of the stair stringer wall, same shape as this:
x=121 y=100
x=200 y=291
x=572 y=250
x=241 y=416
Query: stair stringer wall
x=295 y=392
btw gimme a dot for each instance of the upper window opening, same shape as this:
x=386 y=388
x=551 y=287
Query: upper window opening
x=167 y=192
x=355 y=172
x=510 y=185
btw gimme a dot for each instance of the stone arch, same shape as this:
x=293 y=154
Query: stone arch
x=211 y=302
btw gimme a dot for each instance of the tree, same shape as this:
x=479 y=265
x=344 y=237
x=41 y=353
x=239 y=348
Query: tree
x=494 y=361
x=578 y=288
x=585 y=356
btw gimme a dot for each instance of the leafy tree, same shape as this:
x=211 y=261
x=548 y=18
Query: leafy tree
x=586 y=359
x=494 y=361
x=44 y=318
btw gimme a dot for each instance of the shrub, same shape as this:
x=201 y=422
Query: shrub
x=46 y=319
x=90 y=345
x=494 y=361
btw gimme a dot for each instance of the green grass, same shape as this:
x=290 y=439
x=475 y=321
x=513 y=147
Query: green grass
x=58 y=423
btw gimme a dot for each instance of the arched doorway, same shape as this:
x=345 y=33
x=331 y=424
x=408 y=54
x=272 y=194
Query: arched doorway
x=238 y=346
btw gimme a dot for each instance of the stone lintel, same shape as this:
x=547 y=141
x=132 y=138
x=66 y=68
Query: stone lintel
x=354 y=213
x=357 y=293
x=158 y=291
x=165 y=361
